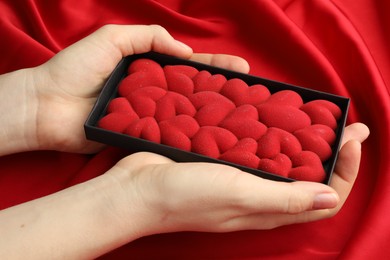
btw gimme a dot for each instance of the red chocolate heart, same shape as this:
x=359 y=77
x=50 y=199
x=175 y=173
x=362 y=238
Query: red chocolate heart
x=145 y=65
x=121 y=105
x=144 y=100
x=211 y=107
x=116 y=122
x=179 y=83
x=243 y=122
x=239 y=92
x=243 y=153
x=277 y=141
x=142 y=73
x=212 y=141
x=182 y=69
x=140 y=79
x=322 y=112
x=288 y=118
x=144 y=128
x=280 y=165
x=204 y=81
x=318 y=139
x=307 y=166
x=119 y=115
x=178 y=131
x=285 y=98
x=173 y=104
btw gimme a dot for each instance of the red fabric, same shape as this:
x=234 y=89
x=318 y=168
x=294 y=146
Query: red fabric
x=337 y=46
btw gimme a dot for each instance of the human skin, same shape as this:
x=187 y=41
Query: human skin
x=126 y=203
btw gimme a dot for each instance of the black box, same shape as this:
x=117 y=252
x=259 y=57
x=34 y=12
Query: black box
x=109 y=91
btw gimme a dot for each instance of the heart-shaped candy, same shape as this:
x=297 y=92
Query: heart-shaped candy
x=285 y=98
x=318 y=139
x=276 y=141
x=144 y=128
x=243 y=122
x=280 y=165
x=116 y=122
x=204 y=81
x=144 y=100
x=173 y=104
x=178 y=131
x=240 y=93
x=179 y=82
x=121 y=105
x=288 y=118
x=142 y=73
x=189 y=71
x=212 y=141
x=145 y=65
x=243 y=153
x=211 y=107
x=322 y=112
x=307 y=166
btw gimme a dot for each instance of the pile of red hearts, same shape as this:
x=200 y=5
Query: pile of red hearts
x=192 y=110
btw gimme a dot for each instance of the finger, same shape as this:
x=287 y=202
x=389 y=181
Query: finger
x=346 y=171
x=287 y=198
x=356 y=131
x=250 y=194
x=346 y=168
x=135 y=39
x=243 y=190
x=222 y=60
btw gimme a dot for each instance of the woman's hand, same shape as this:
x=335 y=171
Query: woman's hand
x=146 y=194
x=169 y=196
x=67 y=85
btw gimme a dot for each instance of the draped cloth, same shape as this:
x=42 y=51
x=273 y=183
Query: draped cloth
x=337 y=46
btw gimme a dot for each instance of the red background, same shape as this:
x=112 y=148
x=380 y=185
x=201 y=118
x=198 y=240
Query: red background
x=338 y=46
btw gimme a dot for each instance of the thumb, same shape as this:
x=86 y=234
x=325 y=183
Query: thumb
x=135 y=39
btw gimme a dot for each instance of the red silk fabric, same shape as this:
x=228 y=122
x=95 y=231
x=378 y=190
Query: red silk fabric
x=338 y=46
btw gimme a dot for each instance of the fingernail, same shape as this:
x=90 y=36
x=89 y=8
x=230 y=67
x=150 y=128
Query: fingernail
x=325 y=201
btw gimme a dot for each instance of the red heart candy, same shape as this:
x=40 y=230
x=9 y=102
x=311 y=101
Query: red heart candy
x=285 y=98
x=277 y=141
x=138 y=80
x=288 y=118
x=121 y=105
x=211 y=107
x=116 y=122
x=145 y=65
x=189 y=71
x=178 y=131
x=322 y=112
x=243 y=153
x=204 y=81
x=144 y=100
x=307 y=166
x=239 y=92
x=173 y=104
x=212 y=141
x=280 y=165
x=179 y=83
x=243 y=122
x=145 y=128
x=318 y=139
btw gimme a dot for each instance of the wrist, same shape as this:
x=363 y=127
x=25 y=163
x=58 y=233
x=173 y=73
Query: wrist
x=135 y=217
x=19 y=109
x=86 y=220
